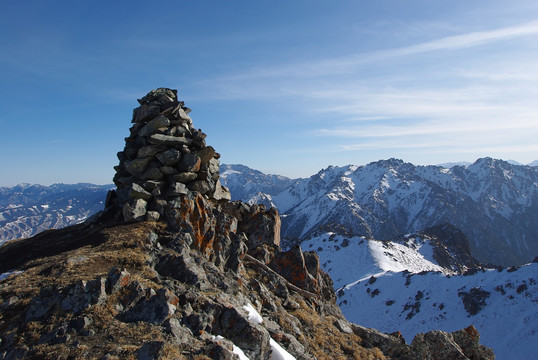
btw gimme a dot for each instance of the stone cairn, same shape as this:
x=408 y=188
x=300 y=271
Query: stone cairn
x=167 y=173
x=165 y=156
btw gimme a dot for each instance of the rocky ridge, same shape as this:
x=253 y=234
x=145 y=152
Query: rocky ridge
x=173 y=269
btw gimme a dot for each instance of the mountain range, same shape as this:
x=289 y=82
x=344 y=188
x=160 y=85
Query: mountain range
x=26 y=209
x=492 y=201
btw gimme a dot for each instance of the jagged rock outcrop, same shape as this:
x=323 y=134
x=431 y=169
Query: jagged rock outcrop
x=201 y=278
x=451 y=247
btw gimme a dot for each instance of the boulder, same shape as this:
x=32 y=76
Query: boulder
x=169 y=157
x=135 y=210
x=468 y=340
x=152 y=350
x=156 y=307
x=136 y=167
x=436 y=344
x=144 y=113
x=138 y=192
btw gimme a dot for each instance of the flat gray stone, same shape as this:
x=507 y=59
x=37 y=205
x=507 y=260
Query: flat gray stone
x=138 y=192
x=152 y=173
x=221 y=192
x=134 y=210
x=169 y=157
x=144 y=113
x=137 y=167
x=152 y=126
x=189 y=163
x=168 y=140
x=200 y=186
x=184 y=177
x=206 y=154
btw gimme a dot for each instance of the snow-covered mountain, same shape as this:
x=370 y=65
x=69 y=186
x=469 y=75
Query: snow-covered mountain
x=251 y=185
x=427 y=281
x=501 y=304
x=26 y=210
x=493 y=202
x=349 y=259
x=448 y=165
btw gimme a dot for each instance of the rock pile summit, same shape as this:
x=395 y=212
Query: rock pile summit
x=165 y=156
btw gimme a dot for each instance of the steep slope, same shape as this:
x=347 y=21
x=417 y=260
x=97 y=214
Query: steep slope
x=494 y=203
x=349 y=259
x=428 y=281
x=26 y=210
x=502 y=305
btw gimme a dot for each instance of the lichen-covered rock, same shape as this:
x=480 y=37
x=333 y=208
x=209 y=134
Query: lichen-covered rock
x=261 y=227
x=291 y=264
x=469 y=341
x=436 y=345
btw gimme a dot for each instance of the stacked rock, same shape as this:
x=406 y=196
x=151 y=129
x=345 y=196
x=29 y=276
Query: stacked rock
x=164 y=157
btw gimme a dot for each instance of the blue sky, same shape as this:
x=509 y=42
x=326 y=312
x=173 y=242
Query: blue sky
x=286 y=87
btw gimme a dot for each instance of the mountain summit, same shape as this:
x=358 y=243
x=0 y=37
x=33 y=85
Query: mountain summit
x=173 y=269
x=493 y=202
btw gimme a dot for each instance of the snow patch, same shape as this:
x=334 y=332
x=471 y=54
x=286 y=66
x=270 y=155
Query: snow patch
x=253 y=315
x=413 y=303
x=237 y=350
x=278 y=352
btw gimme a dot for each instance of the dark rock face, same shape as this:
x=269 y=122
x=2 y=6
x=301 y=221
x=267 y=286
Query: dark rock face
x=474 y=300
x=451 y=247
x=461 y=344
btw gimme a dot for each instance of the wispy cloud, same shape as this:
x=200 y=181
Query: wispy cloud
x=344 y=64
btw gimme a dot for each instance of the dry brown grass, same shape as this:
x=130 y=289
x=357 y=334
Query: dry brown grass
x=122 y=246
x=325 y=341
